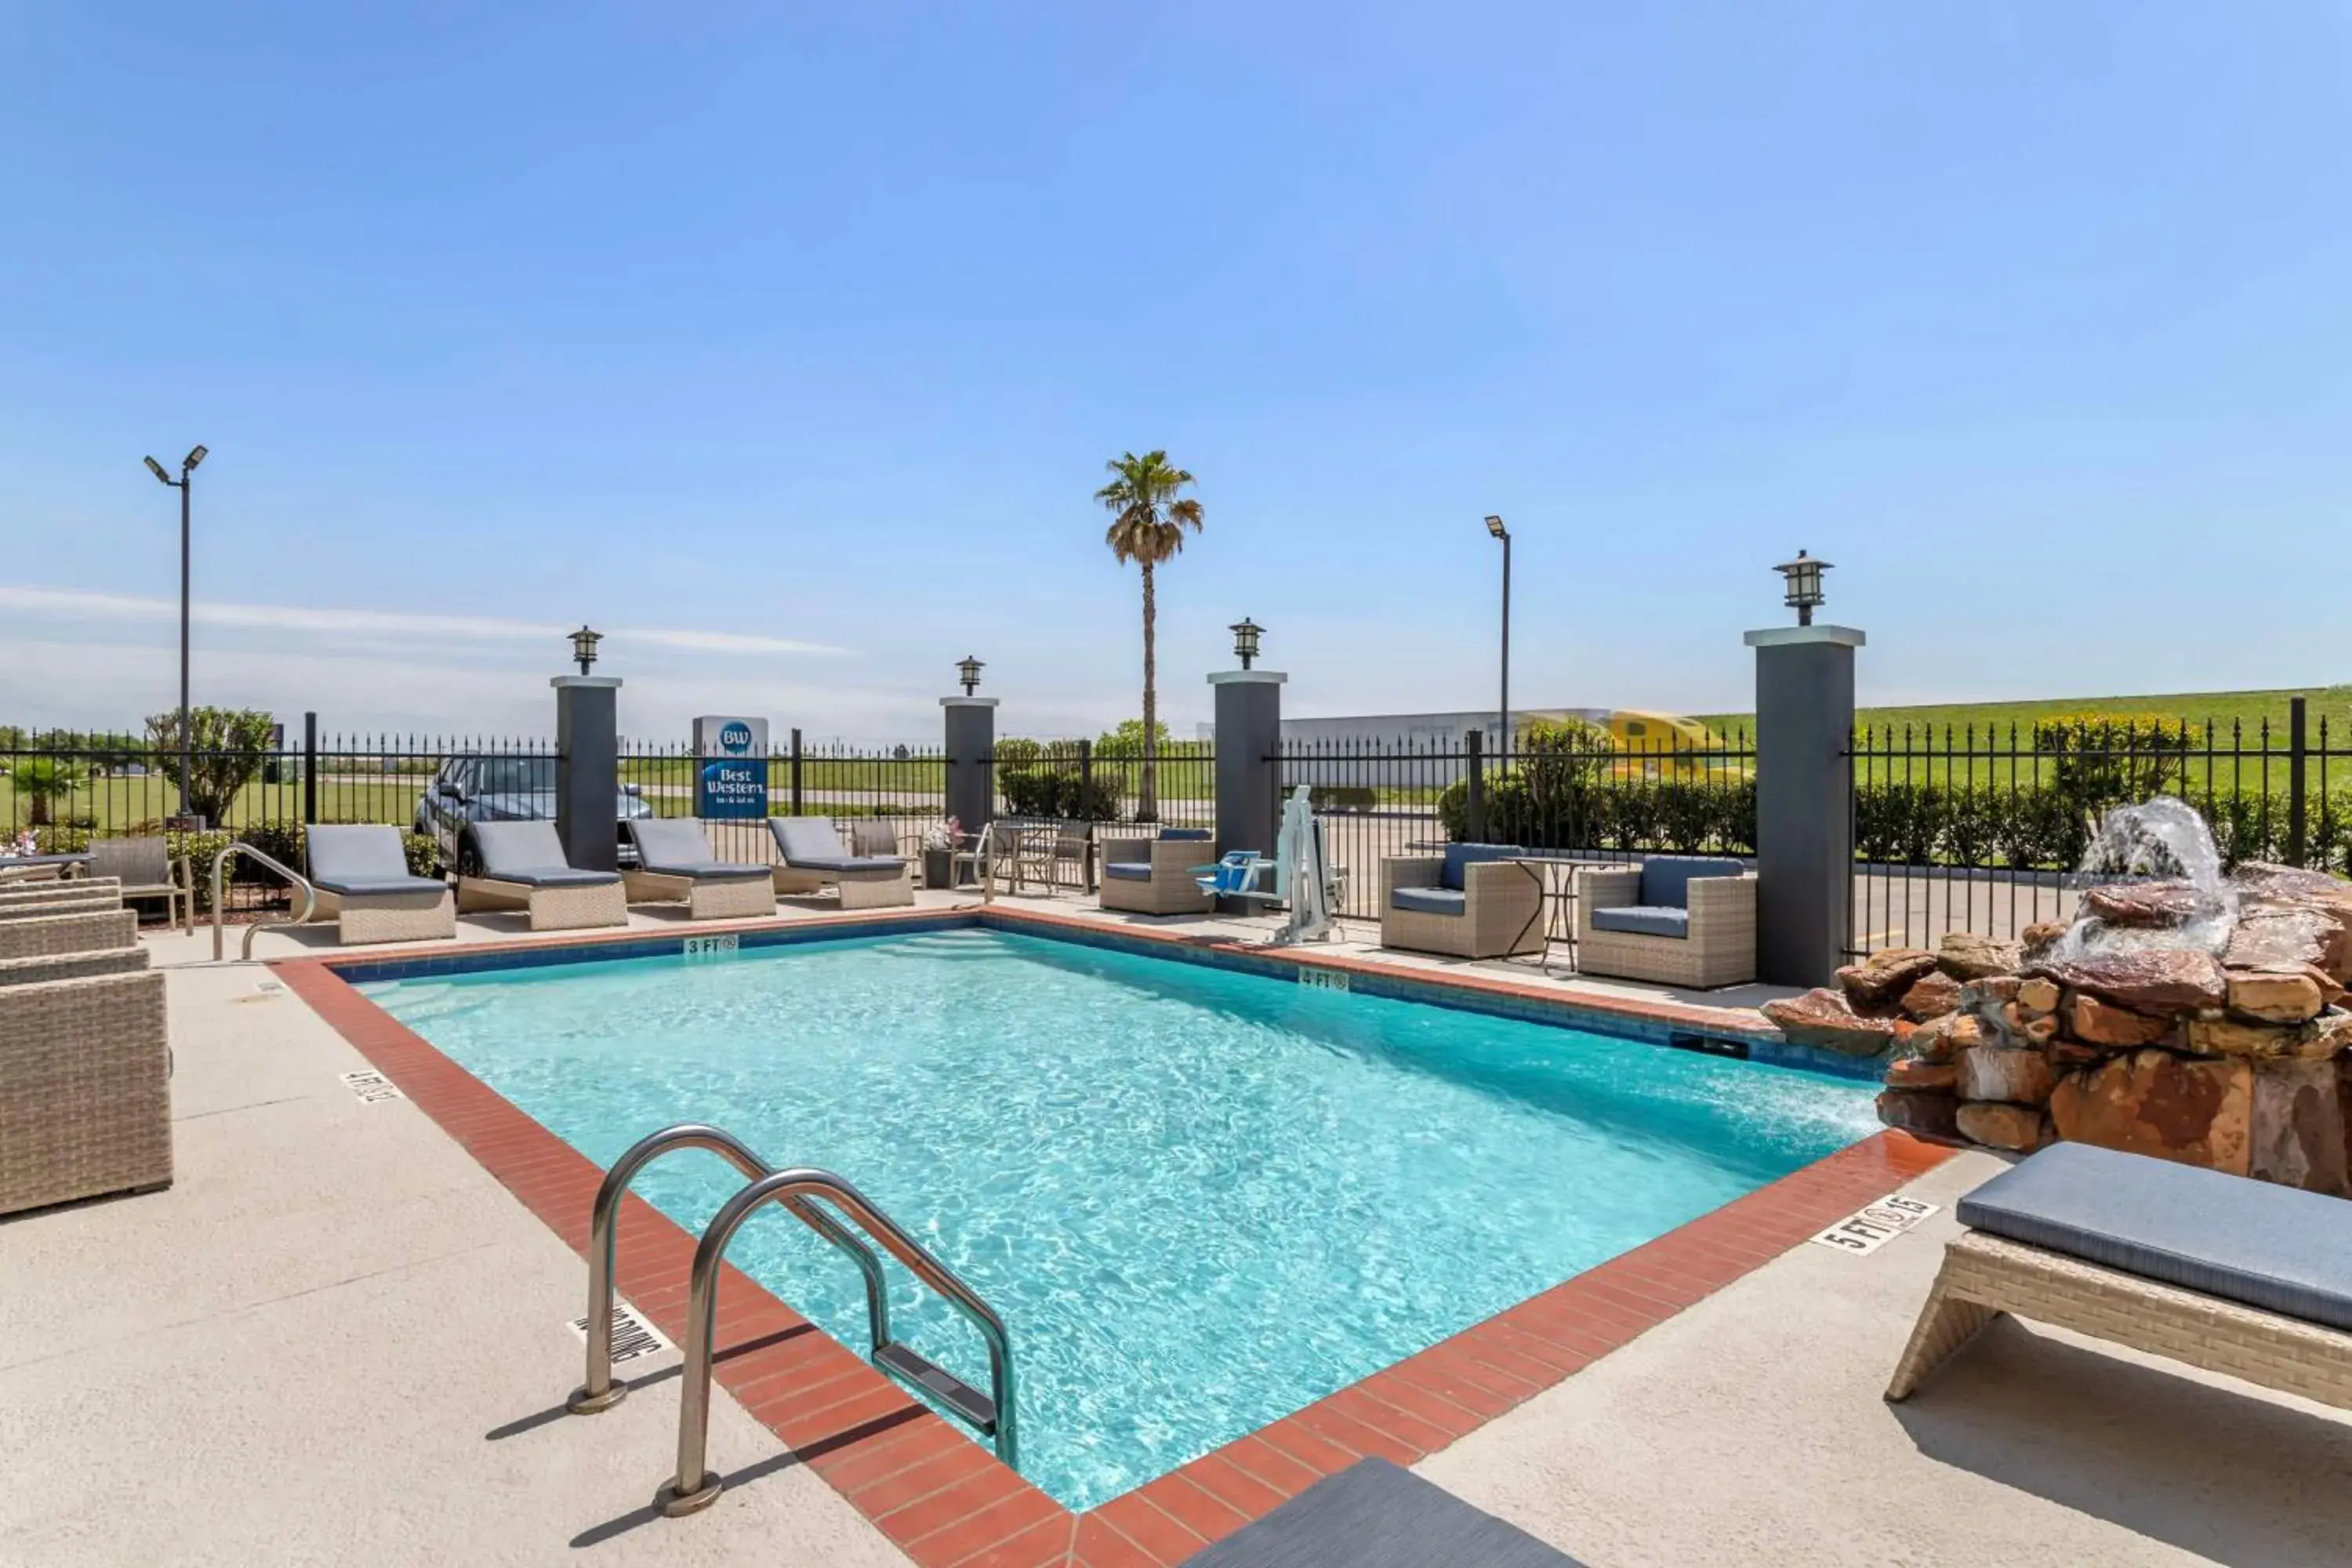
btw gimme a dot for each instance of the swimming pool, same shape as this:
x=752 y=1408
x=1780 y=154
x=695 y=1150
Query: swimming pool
x=1201 y=1199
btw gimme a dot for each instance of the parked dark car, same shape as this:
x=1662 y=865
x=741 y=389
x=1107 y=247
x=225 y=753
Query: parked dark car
x=503 y=789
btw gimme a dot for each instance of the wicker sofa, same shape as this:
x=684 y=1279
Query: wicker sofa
x=1675 y=919
x=85 y=1088
x=77 y=931
x=1469 y=902
x=1156 y=876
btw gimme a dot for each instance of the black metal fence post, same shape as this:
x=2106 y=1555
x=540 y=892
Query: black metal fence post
x=2298 y=749
x=310 y=767
x=796 y=771
x=1473 y=800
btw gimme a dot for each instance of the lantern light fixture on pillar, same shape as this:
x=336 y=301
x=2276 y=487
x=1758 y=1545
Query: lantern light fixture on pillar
x=1803 y=577
x=583 y=647
x=968 y=670
x=1246 y=635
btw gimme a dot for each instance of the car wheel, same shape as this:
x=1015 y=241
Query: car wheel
x=470 y=858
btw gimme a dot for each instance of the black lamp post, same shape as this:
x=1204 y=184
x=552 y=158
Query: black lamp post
x=968 y=670
x=1495 y=526
x=1246 y=635
x=1803 y=577
x=187 y=737
x=583 y=647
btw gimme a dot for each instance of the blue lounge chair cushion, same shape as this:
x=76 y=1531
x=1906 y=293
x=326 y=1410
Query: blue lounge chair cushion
x=849 y=865
x=1458 y=855
x=354 y=858
x=1666 y=882
x=674 y=847
x=1129 y=871
x=2279 y=1248
x=1430 y=900
x=529 y=854
x=1645 y=920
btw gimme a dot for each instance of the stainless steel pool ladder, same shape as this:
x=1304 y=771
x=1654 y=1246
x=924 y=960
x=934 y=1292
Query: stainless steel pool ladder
x=220 y=868
x=694 y=1486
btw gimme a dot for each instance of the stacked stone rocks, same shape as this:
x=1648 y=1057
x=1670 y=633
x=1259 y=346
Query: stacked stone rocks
x=2240 y=1062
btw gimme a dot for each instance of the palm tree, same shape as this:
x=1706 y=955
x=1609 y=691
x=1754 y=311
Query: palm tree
x=1147 y=527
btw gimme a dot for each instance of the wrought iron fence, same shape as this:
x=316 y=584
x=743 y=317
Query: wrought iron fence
x=1575 y=793
x=62 y=789
x=735 y=793
x=1078 y=781
x=1981 y=829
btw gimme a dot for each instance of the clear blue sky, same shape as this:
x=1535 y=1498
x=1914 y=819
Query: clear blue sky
x=816 y=331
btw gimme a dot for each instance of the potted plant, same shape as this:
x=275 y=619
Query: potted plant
x=940 y=841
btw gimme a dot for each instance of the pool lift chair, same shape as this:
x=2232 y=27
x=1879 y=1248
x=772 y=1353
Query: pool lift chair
x=1303 y=878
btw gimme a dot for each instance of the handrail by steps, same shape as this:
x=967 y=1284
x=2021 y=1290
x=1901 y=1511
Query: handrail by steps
x=220 y=864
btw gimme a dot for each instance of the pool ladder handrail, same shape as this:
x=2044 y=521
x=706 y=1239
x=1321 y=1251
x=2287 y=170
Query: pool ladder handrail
x=693 y=1486
x=220 y=865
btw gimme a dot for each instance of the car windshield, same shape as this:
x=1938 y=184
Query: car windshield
x=517 y=775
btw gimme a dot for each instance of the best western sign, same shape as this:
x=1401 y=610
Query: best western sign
x=733 y=777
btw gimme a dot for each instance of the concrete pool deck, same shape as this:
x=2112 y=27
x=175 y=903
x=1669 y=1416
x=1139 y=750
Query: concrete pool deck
x=339 y=1338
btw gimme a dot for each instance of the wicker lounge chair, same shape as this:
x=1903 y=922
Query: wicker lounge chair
x=1469 y=902
x=145 y=868
x=1158 y=876
x=813 y=859
x=1675 y=919
x=361 y=874
x=72 y=965
x=2222 y=1272
x=79 y=931
x=30 y=895
x=85 y=1089
x=524 y=868
x=67 y=898
x=675 y=865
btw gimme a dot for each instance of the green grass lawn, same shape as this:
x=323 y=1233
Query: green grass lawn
x=2221 y=709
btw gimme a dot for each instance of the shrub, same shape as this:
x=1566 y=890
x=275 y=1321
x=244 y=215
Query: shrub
x=229 y=746
x=2102 y=761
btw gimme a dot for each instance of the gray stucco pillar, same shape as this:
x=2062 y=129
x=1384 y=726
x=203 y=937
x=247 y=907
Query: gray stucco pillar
x=1805 y=801
x=587 y=770
x=970 y=737
x=1249 y=767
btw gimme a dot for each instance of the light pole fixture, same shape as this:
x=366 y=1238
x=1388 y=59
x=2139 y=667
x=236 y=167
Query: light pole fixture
x=1246 y=635
x=187 y=736
x=583 y=647
x=1803 y=577
x=1495 y=527
x=968 y=670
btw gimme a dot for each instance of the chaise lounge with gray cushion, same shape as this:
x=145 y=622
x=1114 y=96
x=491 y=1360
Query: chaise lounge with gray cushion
x=1678 y=919
x=2225 y=1273
x=523 y=868
x=365 y=885
x=812 y=857
x=675 y=865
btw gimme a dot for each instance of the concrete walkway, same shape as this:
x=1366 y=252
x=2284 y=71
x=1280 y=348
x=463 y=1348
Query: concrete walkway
x=336 y=1340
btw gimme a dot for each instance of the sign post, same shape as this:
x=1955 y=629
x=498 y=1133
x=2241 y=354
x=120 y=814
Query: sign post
x=730 y=783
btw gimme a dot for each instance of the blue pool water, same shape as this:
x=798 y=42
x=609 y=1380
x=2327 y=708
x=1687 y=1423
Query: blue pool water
x=1200 y=1199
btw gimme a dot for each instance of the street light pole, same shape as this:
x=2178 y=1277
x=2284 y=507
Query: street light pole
x=1503 y=752
x=187 y=733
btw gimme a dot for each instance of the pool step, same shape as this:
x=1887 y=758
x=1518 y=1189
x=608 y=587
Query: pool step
x=966 y=1403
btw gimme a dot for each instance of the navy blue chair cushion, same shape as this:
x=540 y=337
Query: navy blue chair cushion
x=1188 y=834
x=1129 y=871
x=2278 y=1248
x=1664 y=882
x=1457 y=855
x=1430 y=900
x=1645 y=920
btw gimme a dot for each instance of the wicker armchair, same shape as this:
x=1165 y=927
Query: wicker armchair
x=1156 y=876
x=1470 y=902
x=85 y=1089
x=1674 y=921
x=146 y=869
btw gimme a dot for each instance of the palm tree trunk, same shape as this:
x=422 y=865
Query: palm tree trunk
x=1148 y=807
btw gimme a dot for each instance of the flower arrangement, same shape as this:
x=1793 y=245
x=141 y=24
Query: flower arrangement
x=944 y=834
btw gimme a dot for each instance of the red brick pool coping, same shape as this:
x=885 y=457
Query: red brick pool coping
x=946 y=1501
